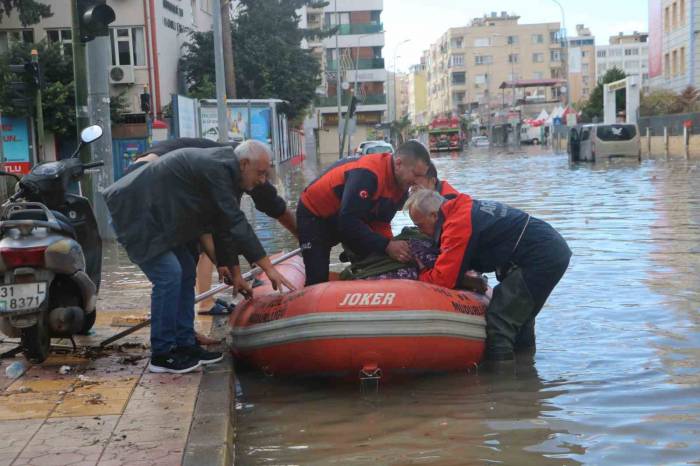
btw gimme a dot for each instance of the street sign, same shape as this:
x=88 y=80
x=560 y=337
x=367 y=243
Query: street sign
x=556 y=121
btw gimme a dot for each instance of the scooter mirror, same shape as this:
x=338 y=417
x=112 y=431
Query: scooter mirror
x=91 y=133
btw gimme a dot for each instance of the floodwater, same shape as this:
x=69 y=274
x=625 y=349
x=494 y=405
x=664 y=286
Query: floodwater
x=616 y=378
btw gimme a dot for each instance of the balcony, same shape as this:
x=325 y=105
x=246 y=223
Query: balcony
x=358 y=28
x=362 y=64
x=332 y=101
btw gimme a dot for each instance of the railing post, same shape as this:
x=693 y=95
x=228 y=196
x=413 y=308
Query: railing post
x=648 y=142
x=666 y=141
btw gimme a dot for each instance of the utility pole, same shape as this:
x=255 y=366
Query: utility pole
x=227 y=41
x=337 y=77
x=219 y=68
x=80 y=78
x=38 y=80
x=98 y=61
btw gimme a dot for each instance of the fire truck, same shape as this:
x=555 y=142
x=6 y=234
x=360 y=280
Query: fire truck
x=445 y=134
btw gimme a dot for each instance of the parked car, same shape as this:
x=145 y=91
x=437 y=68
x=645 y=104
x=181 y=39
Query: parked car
x=377 y=148
x=358 y=150
x=480 y=141
x=599 y=141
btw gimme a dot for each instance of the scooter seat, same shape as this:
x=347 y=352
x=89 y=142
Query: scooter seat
x=36 y=214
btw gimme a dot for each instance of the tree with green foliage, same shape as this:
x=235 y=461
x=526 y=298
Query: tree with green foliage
x=29 y=11
x=594 y=106
x=269 y=60
x=58 y=94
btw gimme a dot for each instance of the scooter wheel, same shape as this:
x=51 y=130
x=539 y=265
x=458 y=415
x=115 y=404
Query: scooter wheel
x=88 y=322
x=36 y=340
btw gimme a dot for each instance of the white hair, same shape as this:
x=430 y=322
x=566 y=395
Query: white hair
x=425 y=201
x=252 y=150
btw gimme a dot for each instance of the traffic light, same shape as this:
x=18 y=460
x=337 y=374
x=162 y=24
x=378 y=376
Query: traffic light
x=94 y=17
x=145 y=101
x=352 y=106
x=19 y=91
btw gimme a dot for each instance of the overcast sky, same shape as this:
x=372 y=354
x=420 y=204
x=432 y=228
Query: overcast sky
x=423 y=21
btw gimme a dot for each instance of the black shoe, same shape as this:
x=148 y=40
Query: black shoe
x=200 y=354
x=173 y=363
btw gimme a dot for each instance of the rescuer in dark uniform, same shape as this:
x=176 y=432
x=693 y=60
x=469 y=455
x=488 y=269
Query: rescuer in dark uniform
x=527 y=254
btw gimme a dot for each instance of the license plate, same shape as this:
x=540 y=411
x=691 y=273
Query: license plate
x=20 y=297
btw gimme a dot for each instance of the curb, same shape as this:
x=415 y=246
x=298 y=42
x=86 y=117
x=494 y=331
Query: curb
x=210 y=441
x=212 y=430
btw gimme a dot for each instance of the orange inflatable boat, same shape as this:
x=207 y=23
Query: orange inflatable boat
x=359 y=328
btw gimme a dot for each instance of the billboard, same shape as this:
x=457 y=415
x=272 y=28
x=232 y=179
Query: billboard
x=243 y=123
x=655 y=40
x=16 y=145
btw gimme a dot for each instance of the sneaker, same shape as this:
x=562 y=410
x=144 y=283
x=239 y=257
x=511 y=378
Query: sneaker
x=198 y=353
x=173 y=363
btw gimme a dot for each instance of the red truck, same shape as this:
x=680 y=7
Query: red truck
x=445 y=134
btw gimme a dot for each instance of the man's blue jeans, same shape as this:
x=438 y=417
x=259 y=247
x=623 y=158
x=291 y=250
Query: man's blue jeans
x=172 y=299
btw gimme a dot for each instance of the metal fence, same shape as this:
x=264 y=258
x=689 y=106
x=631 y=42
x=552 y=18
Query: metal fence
x=674 y=123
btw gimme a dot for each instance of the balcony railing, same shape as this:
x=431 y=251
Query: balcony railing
x=359 y=28
x=362 y=64
x=331 y=101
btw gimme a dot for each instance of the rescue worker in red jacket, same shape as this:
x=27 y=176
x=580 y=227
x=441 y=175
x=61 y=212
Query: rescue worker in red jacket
x=354 y=202
x=527 y=254
x=431 y=181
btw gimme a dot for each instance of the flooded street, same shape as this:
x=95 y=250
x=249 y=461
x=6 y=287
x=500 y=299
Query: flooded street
x=616 y=378
x=617 y=373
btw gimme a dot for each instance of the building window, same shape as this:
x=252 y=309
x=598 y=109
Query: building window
x=7 y=38
x=555 y=55
x=480 y=79
x=667 y=66
x=456 y=42
x=513 y=58
x=553 y=37
x=64 y=37
x=459 y=77
x=482 y=42
x=457 y=60
x=128 y=46
x=682 y=60
x=584 y=68
x=630 y=52
x=674 y=15
x=682 y=8
x=537 y=39
x=458 y=97
x=483 y=59
x=512 y=40
x=600 y=53
x=537 y=75
x=674 y=64
x=667 y=20
x=538 y=57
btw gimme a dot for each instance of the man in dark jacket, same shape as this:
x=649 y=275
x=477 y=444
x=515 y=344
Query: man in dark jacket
x=354 y=202
x=431 y=181
x=162 y=207
x=527 y=254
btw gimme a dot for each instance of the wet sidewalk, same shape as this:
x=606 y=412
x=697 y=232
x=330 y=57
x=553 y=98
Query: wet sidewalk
x=104 y=408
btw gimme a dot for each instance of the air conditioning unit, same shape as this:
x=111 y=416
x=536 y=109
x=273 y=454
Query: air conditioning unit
x=121 y=74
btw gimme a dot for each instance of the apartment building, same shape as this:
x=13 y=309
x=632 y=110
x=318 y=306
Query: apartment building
x=146 y=40
x=581 y=64
x=467 y=65
x=396 y=95
x=417 y=93
x=627 y=52
x=673 y=51
x=353 y=59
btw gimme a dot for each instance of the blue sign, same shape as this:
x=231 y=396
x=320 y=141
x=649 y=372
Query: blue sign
x=15 y=139
x=556 y=121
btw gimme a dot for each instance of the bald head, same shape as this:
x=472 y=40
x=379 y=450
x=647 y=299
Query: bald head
x=255 y=161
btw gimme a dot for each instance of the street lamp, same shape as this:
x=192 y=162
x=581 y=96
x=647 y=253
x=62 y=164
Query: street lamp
x=565 y=53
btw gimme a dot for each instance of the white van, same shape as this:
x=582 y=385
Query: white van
x=600 y=141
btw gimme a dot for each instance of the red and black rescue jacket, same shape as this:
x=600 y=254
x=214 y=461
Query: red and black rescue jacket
x=473 y=235
x=362 y=195
x=446 y=190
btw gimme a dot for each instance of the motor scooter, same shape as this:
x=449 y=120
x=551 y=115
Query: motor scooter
x=50 y=255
